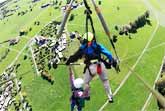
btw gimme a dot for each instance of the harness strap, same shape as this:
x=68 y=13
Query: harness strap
x=90 y=73
x=87 y=67
x=98 y=68
x=88 y=13
x=89 y=19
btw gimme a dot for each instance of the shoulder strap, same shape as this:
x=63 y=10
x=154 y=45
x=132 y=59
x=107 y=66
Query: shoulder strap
x=88 y=13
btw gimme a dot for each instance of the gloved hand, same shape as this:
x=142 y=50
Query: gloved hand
x=107 y=64
x=68 y=62
x=55 y=65
x=115 y=65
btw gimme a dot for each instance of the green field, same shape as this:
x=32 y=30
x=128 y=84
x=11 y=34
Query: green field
x=144 y=53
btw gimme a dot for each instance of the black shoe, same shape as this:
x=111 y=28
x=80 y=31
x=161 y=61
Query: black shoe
x=87 y=98
x=110 y=100
x=52 y=82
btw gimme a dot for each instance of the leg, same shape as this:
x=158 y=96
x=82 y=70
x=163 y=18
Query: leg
x=105 y=81
x=108 y=90
x=72 y=105
x=79 y=108
x=160 y=106
x=87 y=79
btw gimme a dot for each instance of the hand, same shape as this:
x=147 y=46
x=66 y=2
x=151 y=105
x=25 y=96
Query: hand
x=115 y=65
x=70 y=69
x=68 y=62
x=107 y=64
x=55 y=65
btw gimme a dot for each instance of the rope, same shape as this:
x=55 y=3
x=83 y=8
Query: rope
x=88 y=13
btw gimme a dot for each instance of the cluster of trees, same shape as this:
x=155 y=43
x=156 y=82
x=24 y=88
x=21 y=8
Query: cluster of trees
x=11 y=42
x=37 y=23
x=41 y=55
x=26 y=11
x=133 y=27
x=57 y=4
x=50 y=30
x=22 y=13
x=4 y=55
x=23 y=32
x=72 y=16
x=48 y=53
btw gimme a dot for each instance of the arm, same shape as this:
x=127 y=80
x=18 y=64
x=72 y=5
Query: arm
x=112 y=61
x=77 y=55
x=71 y=77
x=107 y=53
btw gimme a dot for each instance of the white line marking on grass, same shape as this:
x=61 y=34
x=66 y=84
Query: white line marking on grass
x=14 y=50
x=20 y=52
x=151 y=9
x=133 y=67
x=156 y=46
x=150 y=95
x=134 y=55
x=34 y=60
x=159 y=15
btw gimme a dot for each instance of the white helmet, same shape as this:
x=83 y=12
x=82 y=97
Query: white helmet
x=78 y=83
x=88 y=36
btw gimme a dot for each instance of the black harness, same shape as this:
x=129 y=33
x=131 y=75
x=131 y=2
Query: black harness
x=94 y=56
